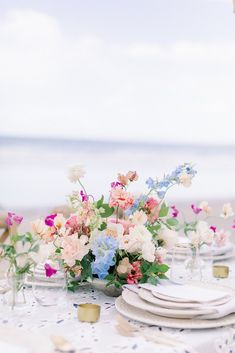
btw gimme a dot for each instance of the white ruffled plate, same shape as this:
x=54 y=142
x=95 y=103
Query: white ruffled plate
x=145 y=317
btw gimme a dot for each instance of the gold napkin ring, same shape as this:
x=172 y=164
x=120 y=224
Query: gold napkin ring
x=220 y=271
x=88 y=312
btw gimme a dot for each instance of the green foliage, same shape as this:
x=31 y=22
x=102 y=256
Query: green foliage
x=172 y=222
x=103 y=226
x=152 y=271
x=164 y=210
x=105 y=210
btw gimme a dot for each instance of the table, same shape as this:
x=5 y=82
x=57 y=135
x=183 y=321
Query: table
x=102 y=337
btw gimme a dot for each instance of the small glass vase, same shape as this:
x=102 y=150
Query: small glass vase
x=194 y=264
x=15 y=295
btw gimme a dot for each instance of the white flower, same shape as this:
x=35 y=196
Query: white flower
x=75 y=173
x=45 y=251
x=185 y=180
x=170 y=237
x=139 y=240
x=205 y=207
x=59 y=221
x=227 y=211
x=139 y=217
x=160 y=254
x=74 y=248
x=221 y=237
x=38 y=227
x=202 y=235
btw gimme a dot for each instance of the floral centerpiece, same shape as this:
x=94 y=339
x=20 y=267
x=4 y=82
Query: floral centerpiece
x=121 y=240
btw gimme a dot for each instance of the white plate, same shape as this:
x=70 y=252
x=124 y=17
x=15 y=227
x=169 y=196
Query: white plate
x=145 y=317
x=227 y=256
x=134 y=300
x=149 y=297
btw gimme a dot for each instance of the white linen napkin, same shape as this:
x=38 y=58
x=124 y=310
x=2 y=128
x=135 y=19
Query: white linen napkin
x=12 y=348
x=221 y=311
x=186 y=293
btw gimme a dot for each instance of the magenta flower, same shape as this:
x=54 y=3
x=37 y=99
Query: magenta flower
x=83 y=196
x=13 y=218
x=233 y=226
x=175 y=212
x=49 y=220
x=50 y=271
x=196 y=209
x=213 y=228
x=115 y=184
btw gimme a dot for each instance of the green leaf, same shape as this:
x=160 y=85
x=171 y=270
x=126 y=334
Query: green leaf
x=99 y=203
x=103 y=226
x=35 y=248
x=86 y=268
x=164 y=210
x=107 y=211
x=173 y=222
x=163 y=268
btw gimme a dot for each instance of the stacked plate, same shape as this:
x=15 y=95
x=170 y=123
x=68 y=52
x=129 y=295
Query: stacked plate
x=193 y=306
x=215 y=253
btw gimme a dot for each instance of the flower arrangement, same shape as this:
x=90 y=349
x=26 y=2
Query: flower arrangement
x=121 y=240
x=202 y=231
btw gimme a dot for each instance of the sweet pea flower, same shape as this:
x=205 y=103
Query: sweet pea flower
x=75 y=173
x=233 y=226
x=38 y=227
x=196 y=209
x=205 y=207
x=83 y=196
x=132 y=176
x=123 y=180
x=50 y=271
x=175 y=212
x=49 y=220
x=202 y=235
x=221 y=238
x=213 y=228
x=227 y=211
x=12 y=219
x=169 y=237
x=115 y=184
x=160 y=254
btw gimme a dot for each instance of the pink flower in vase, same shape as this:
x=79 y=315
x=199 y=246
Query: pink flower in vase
x=196 y=209
x=213 y=228
x=12 y=218
x=50 y=271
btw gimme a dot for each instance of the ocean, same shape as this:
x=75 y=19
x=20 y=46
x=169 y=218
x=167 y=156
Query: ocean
x=33 y=172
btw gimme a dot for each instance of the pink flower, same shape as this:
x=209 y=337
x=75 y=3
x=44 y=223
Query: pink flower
x=221 y=238
x=49 y=220
x=196 y=209
x=151 y=203
x=233 y=226
x=73 y=225
x=13 y=218
x=115 y=184
x=121 y=198
x=50 y=271
x=175 y=212
x=126 y=224
x=135 y=274
x=123 y=180
x=83 y=196
x=132 y=176
x=213 y=228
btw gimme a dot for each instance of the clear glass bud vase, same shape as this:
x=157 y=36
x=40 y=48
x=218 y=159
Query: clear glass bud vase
x=194 y=264
x=15 y=295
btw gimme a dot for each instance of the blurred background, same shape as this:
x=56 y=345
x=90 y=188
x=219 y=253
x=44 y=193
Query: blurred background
x=115 y=86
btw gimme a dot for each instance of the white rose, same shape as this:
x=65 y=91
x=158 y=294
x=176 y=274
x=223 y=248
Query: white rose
x=75 y=173
x=170 y=237
x=227 y=211
x=185 y=180
x=139 y=217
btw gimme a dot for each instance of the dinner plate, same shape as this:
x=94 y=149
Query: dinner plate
x=149 y=297
x=145 y=317
x=134 y=300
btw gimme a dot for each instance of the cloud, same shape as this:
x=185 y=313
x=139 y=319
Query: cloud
x=55 y=83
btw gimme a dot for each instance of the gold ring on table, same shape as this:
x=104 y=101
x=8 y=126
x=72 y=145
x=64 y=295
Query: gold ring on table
x=88 y=312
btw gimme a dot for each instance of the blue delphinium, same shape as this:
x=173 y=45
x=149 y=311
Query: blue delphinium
x=104 y=248
x=140 y=200
x=160 y=187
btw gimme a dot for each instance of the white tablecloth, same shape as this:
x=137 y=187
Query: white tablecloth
x=103 y=336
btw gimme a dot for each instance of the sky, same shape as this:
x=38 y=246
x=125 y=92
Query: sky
x=134 y=70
